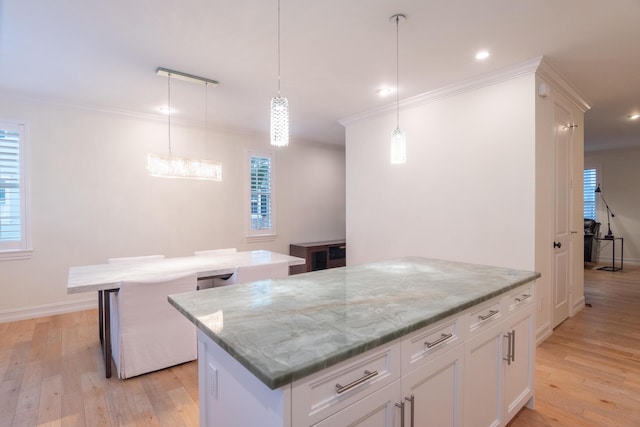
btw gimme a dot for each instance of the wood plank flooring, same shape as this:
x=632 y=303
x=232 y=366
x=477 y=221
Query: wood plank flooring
x=51 y=370
x=588 y=371
x=52 y=374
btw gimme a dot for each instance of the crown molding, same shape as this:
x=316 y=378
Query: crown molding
x=216 y=127
x=559 y=83
x=484 y=80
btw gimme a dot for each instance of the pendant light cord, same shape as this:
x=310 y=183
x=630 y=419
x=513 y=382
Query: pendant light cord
x=398 y=71
x=278 y=47
x=169 y=109
x=206 y=117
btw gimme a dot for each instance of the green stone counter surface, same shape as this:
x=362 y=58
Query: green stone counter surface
x=283 y=330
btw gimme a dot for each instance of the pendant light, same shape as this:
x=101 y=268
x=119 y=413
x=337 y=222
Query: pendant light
x=398 y=137
x=279 y=108
x=181 y=167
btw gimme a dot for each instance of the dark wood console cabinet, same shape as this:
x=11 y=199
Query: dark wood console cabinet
x=319 y=255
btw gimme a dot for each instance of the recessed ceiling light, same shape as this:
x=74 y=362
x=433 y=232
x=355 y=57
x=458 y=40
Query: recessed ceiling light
x=384 y=91
x=167 y=110
x=634 y=116
x=483 y=54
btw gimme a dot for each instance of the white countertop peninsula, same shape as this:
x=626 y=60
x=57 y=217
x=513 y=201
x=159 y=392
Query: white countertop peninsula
x=106 y=278
x=88 y=278
x=270 y=338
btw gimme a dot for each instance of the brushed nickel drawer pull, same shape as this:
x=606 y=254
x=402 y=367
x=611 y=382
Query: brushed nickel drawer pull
x=442 y=338
x=490 y=314
x=523 y=298
x=367 y=375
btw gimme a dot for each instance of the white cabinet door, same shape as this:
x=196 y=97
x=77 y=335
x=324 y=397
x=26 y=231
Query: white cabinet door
x=483 y=378
x=376 y=410
x=519 y=373
x=437 y=391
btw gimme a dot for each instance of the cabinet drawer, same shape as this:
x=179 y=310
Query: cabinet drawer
x=520 y=297
x=319 y=395
x=377 y=409
x=484 y=315
x=425 y=344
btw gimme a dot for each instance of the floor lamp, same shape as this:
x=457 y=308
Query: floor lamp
x=609 y=213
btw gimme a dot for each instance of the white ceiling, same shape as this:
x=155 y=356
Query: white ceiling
x=335 y=54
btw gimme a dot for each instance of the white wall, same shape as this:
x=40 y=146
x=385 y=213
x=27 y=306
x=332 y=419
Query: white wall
x=478 y=185
x=467 y=190
x=91 y=198
x=619 y=178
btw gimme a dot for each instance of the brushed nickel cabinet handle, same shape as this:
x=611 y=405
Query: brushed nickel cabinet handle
x=488 y=315
x=508 y=358
x=401 y=406
x=411 y=399
x=513 y=345
x=442 y=338
x=367 y=375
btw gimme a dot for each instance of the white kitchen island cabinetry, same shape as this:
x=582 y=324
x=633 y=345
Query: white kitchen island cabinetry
x=457 y=364
x=434 y=391
x=499 y=360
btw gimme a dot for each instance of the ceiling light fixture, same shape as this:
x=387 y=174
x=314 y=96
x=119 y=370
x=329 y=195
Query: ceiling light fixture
x=279 y=108
x=166 y=110
x=634 y=116
x=483 y=54
x=398 y=137
x=181 y=167
x=384 y=91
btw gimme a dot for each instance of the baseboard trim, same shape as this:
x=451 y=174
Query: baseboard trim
x=578 y=305
x=47 y=310
x=543 y=333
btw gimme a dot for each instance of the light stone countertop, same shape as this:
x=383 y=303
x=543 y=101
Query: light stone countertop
x=283 y=330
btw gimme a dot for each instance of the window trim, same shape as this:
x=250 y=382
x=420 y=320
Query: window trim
x=252 y=235
x=23 y=249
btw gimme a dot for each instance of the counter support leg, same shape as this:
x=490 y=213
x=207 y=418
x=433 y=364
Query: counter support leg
x=106 y=335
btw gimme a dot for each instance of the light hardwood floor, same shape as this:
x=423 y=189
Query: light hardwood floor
x=51 y=373
x=588 y=371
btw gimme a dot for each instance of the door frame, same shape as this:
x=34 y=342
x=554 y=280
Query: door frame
x=570 y=213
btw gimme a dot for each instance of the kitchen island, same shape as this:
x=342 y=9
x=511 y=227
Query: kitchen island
x=374 y=343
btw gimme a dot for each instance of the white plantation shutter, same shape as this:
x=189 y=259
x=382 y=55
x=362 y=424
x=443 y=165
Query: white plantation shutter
x=261 y=194
x=590 y=184
x=13 y=188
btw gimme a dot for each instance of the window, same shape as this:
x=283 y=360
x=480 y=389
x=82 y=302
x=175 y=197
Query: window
x=261 y=195
x=14 y=236
x=590 y=184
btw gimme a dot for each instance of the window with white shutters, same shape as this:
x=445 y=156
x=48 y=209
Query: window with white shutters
x=14 y=233
x=261 y=195
x=590 y=184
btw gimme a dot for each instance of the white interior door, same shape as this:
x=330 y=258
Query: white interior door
x=562 y=250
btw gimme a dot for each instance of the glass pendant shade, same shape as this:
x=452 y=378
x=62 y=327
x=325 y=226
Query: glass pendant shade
x=398 y=147
x=279 y=121
x=180 y=167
